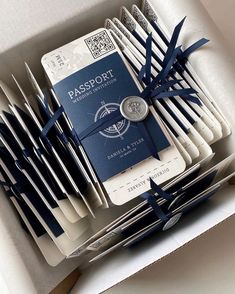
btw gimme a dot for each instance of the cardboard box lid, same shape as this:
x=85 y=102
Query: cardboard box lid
x=209 y=65
x=31 y=28
x=22 y=20
x=22 y=266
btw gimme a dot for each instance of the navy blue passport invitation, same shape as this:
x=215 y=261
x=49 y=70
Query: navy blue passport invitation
x=95 y=91
x=91 y=79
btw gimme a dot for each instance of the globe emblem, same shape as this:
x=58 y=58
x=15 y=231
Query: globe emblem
x=114 y=131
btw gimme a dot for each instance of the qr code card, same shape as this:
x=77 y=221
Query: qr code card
x=99 y=44
x=72 y=57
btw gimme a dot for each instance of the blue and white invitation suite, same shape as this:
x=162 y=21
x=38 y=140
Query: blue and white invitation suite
x=123 y=120
x=91 y=79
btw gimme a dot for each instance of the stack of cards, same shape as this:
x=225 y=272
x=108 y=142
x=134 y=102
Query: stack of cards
x=125 y=121
x=193 y=126
x=91 y=78
x=46 y=174
x=177 y=198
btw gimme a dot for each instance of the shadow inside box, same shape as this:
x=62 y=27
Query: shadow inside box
x=195 y=216
x=224 y=147
x=162 y=244
x=24 y=251
x=186 y=220
x=186 y=263
x=31 y=50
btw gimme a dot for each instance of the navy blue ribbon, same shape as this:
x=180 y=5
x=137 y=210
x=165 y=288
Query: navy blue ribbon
x=183 y=55
x=153 y=196
x=160 y=192
x=168 y=62
x=174 y=40
x=148 y=64
x=155 y=206
x=148 y=139
x=151 y=91
x=51 y=122
x=101 y=124
x=16 y=188
x=5 y=184
x=146 y=94
x=48 y=144
x=143 y=43
x=27 y=153
x=162 y=90
x=75 y=137
x=182 y=58
x=60 y=111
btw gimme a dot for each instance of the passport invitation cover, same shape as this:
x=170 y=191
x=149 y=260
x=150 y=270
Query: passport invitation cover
x=94 y=92
x=91 y=79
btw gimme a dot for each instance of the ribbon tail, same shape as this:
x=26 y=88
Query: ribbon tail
x=170 y=63
x=192 y=98
x=161 y=76
x=173 y=41
x=148 y=59
x=156 y=208
x=173 y=93
x=164 y=87
x=148 y=139
x=159 y=191
x=145 y=72
x=52 y=121
x=185 y=54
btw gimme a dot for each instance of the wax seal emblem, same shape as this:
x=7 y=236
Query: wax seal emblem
x=172 y=221
x=134 y=108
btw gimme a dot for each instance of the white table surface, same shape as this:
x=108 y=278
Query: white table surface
x=206 y=265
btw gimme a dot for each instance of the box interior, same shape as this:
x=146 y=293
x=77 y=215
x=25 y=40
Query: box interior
x=56 y=24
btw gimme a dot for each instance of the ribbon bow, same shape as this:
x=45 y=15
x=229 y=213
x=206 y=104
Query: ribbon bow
x=183 y=55
x=153 y=196
x=156 y=88
x=52 y=118
x=151 y=91
x=168 y=65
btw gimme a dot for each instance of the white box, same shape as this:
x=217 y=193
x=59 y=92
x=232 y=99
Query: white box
x=31 y=28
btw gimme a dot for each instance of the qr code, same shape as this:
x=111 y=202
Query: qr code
x=99 y=44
